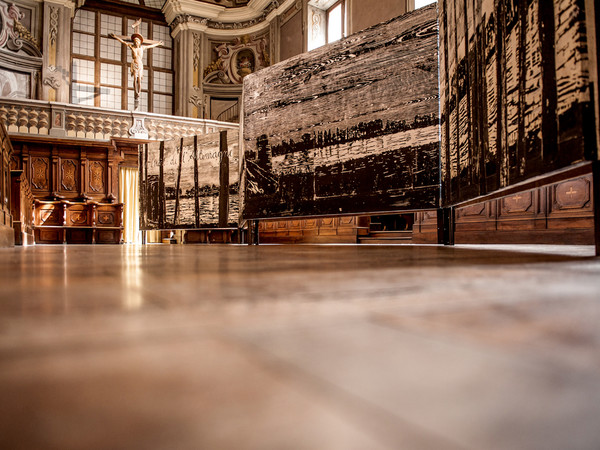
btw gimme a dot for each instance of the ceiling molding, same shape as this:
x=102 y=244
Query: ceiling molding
x=70 y=4
x=217 y=13
x=221 y=21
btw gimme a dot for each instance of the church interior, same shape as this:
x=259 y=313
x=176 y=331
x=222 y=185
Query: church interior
x=299 y=224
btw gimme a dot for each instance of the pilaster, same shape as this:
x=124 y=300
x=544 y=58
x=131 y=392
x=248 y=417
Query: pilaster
x=56 y=71
x=274 y=40
x=188 y=93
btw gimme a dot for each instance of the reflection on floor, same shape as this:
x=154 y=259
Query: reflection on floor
x=299 y=347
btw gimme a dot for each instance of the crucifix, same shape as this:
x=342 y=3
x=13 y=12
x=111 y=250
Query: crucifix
x=137 y=44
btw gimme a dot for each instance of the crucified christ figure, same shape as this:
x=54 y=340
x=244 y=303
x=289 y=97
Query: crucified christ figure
x=138 y=45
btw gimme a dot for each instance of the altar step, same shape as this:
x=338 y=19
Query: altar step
x=386 y=237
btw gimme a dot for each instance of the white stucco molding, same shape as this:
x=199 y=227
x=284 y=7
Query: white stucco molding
x=69 y=4
x=197 y=16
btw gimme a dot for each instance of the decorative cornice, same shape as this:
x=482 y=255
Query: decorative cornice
x=70 y=4
x=255 y=8
x=193 y=15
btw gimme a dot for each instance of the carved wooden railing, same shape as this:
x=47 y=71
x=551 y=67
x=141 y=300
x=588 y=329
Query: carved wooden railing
x=63 y=120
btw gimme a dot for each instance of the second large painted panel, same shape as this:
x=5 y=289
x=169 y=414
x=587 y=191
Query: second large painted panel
x=190 y=183
x=350 y=127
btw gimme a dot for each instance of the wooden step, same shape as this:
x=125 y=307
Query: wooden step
x=386 y=237
x=407 y=234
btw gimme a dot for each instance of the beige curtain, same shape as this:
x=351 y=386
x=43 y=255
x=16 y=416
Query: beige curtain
x=129 y=195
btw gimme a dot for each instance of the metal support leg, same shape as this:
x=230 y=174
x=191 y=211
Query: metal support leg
x=596 y=195
x=255 y=237
x=445 y=220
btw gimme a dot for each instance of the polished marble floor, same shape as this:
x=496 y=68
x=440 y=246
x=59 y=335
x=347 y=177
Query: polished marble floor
x=299 y=347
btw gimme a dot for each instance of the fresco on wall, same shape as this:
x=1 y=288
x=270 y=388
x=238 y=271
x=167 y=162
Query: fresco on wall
x=14 y=84
x=191 y=182
x=349 y=127
x=515 y=92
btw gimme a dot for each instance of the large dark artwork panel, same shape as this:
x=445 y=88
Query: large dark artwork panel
x=350 y=127
x=515 y=92
x=191 y=182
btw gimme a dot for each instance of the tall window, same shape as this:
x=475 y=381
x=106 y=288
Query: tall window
x=336 y=21
x=327 y=22
x=421 y=3
x=100 y=75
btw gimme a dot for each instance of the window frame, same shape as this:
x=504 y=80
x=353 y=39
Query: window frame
x=149 y=68
x=344 y=18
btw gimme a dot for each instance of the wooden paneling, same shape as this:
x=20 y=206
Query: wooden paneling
x=425 y=228
x=560 y=213
x=515 y=93
x=97 y=177
x=349 y=127
x=40 y=174
x=6 y=227
x=69 y=180
x=21 y=208
x=69 y=169
x=212 y=236
x=345 y=229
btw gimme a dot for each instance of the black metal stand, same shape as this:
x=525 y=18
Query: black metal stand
x=445 y=226
x=596 y=196
x=255 y=237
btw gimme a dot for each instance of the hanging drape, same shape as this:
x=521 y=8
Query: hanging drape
x=129 y=195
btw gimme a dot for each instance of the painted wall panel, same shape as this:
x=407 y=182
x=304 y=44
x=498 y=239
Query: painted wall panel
x=522 y=67
x=349 y=127
x=191 y=182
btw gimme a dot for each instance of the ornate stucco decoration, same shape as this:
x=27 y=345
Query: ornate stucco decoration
x=52 y=81
x=237 y=59
x=13 y=34
x=196 y=100
x=224 y=21
x=196 y=50
x=211 y=24
x=53 y=34
x=213 y=67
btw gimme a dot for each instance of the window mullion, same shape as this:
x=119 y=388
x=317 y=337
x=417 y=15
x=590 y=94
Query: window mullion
x=150 y=73
x=124 y=69
x=97 y=81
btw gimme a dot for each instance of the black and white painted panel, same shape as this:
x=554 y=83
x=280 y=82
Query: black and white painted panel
x=191 y=182
x=516 y=92
x=349 y=127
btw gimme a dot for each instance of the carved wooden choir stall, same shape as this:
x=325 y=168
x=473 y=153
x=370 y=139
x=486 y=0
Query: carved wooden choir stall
x=58 y=222
x=22 y=204
x=6 y=150
x=75 y=185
